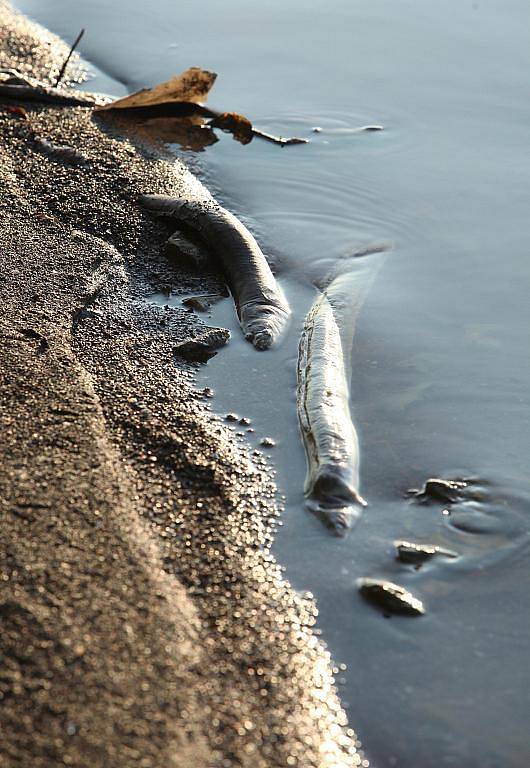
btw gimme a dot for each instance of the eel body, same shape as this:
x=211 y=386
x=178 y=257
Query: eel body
x=323 y=394
x=261 y=306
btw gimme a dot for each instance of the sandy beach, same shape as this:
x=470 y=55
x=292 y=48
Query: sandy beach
x=144 y=621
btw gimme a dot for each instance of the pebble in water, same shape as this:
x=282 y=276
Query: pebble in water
x=436 y=489
x=267 y=442
x=204 y=347
x=417 y=554
x=232 y=417
x=391 y=597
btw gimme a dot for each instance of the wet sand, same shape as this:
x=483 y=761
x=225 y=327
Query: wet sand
x=144 y=621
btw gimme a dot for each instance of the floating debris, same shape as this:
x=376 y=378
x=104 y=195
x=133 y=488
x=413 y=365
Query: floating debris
x=201 y=349
x=390 y=597
x=437 y=490
x=417 y=554
x=201 y=303
x=182 y=97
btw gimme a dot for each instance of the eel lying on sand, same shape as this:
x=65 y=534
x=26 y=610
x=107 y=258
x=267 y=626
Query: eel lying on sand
x=261 y=306
x=324 y=372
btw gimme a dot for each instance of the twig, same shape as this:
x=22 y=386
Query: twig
x=278 y=139
x=72 y=49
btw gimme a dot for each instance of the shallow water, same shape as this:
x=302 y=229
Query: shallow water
x=440 y=361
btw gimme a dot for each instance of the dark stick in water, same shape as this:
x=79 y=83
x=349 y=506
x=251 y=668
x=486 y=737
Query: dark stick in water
x=261 y=306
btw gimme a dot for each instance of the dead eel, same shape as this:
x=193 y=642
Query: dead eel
x=323 y=393
x=261 y=307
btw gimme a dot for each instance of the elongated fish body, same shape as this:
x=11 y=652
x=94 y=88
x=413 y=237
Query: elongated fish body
x=323 y=395
x=261 y=306
x=330 y=439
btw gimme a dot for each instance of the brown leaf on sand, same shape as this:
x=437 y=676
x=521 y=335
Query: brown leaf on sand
x=16 y=110
x=191 y=86
x=240 y=127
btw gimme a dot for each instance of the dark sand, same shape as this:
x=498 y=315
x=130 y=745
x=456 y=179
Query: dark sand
x=143 y=620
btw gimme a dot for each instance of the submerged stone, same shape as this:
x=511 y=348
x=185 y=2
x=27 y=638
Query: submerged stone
x=202 y=348
x=392 y=598
x=417 y=554
x=436 y=489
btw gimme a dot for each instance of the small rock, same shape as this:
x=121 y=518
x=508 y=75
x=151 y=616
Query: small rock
x=244 y=421
x=391 y=597
x=232 y=417
x=417 y=554
x=180 y=245
x=60 y=152
x=267 y=442
x=202 y=348
x=198 y=303
x=436 y=489
x=202 y=303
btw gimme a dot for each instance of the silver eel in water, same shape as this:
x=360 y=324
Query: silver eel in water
x=261 y=306
x=323 y=394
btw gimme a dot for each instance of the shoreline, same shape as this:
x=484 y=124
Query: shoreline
x=144 y=620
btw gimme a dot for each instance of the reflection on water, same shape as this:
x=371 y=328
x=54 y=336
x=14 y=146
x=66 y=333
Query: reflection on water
x=440 y=359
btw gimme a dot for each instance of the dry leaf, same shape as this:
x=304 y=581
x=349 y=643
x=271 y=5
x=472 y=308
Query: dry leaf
x=16 y=110
x=240 y=127
x=193 y=86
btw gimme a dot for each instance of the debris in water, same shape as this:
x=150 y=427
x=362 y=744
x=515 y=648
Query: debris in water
x=417 y=554
x=201 y=349
x=391 y=597
x=182 y=97
x=202 y=303
x=436 y=490
x=230 y=122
